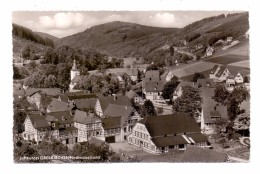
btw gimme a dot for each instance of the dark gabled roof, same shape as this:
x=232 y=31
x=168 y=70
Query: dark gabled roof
x=111 y=122
x=154 y=86
x=169 y=141
x=214 y=69
x=31 y=91
x=165 y=141
x=81 y=95
x=197 y=137
x=199 y=154
x=38 y=120
x=214 y=114
x=76 y=79
x=47 y=91
x=153 y=75
x=85 y=118
x=170 y=124
x=64 y=97
x=208 y=104
x=117 y=110
x=62 y=117
x=87 y=103
x=221 y=70
x=131 y=94
x=57 y=105
x=116 y=100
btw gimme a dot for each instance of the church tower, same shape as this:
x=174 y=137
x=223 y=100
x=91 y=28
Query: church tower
x=74 y=71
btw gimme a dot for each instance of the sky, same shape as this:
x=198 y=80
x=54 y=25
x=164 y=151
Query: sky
x=65 y=23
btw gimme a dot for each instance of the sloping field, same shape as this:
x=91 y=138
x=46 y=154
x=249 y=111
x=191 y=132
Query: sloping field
x=243 y=64
x=189 y=78
x=227 y=59
x=242 y=50
x=193 y=68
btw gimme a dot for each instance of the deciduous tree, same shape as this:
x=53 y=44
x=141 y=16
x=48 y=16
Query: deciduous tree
x=148 y=109
x=189 y=102
x=169 y=88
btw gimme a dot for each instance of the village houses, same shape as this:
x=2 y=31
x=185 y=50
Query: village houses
x=118 y=117
x=34 y=95
x=152 y=86
x=178 y=91
x=158 y=134
x=58 y=125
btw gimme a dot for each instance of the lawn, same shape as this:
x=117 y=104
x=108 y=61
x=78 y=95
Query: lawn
x=189 y=78
x=243 y=64
x=241 y=152
x=190 y=69
x=227 y=59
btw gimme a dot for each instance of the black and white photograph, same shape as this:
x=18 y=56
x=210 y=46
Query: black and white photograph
x=131 y=86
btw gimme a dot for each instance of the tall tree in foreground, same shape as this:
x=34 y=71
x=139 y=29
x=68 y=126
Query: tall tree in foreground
x=169 y=88
x=234 y=100
x=148 y=109
x=189 y=102
x=198 y=76
x=221 y=94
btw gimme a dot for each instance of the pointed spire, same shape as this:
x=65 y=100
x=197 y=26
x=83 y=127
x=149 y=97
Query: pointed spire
x=74 y=65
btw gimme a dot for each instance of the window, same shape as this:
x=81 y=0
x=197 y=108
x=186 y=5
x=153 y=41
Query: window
x=129 y=121
x=24 y=135
x=124 y=129
x=125 y=137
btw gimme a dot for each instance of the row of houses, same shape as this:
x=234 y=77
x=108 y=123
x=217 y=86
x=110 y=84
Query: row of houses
x=110 y=119
x=81 y=117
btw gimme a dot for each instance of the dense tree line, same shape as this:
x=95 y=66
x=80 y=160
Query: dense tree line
x=232 y=101
x=189 y=102
x=104 y=84
x=28 y=34
x=169 y=88
x=54 y=68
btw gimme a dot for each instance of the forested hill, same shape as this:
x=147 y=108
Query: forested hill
x=45 y=35
x=22 y=37
x=207 y=31
x=120 y=38
x=128 y=39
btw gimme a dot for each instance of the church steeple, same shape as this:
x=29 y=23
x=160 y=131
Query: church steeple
x=74 y=67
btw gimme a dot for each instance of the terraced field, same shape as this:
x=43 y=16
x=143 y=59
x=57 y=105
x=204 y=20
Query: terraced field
x=190 y=69
x=243 y=64
x=227 y=59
